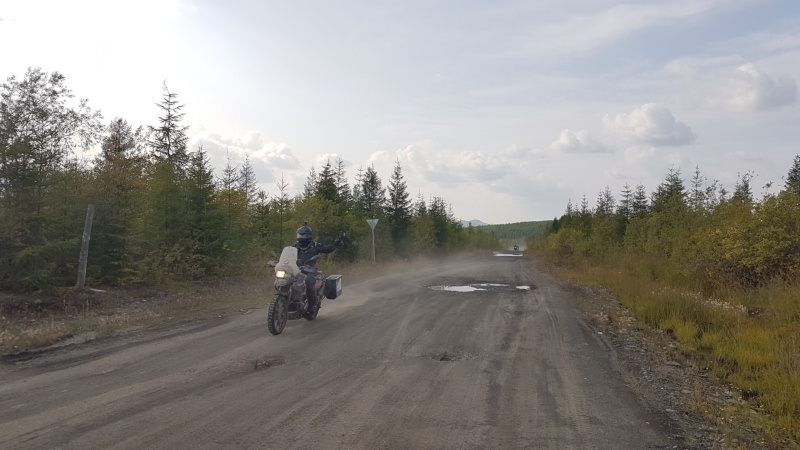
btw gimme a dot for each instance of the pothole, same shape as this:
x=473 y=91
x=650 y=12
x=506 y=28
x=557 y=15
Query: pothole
x=261 y=364
x=472 y=287
x=451 y=356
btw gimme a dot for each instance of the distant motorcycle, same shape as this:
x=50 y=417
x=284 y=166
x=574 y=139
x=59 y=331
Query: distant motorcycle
x=516 y=248
x=290 y=301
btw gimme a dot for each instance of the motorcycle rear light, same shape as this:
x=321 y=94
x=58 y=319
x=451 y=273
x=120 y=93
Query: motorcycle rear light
x=280 y=274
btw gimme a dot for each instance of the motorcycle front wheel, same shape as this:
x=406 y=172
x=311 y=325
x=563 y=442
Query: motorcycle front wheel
x=278 y=314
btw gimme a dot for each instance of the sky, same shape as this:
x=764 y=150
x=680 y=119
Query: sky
x=508 y=110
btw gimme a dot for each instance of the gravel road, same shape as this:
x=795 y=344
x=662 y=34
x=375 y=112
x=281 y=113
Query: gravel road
x=481 y=352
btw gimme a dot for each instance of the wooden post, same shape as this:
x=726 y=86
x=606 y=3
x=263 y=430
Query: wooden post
x=87 y=234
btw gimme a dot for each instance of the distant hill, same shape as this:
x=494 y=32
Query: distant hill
x=520 y=230
x=473 y=222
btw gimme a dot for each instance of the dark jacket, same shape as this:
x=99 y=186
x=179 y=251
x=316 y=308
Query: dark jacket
x=314 y=248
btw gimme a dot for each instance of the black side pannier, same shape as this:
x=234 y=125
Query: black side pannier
x=333 y=286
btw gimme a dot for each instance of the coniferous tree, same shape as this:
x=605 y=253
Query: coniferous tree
x=342 y=186
x=625 y=205
x=202 y=246
x=640 y=206
x=357 y=196
x=310 y=188
x=670 y=191
x=118 y=182
x=234 y=206
x=247 y=183
x=374 y=194
x=793 y=177
x=422 y=228
x=230 y=197
x=605 y=203
x=697 y=196
x=398 y=209
x=282 y=208
x=165 y=217
x=327 y=187
x=169 y=138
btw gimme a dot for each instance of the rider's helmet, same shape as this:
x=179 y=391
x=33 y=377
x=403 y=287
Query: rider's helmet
x=304 y=235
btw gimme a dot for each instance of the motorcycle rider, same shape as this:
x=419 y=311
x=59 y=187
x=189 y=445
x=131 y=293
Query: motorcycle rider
x=306 y=248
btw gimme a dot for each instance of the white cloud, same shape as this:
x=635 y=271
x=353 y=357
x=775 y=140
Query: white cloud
x=271 y=154
x=457 y=167
x=749 y=89
x=651 y=124
x=578 y=142
x=270 y=160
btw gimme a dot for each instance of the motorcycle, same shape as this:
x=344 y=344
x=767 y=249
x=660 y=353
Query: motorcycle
x=290 y=301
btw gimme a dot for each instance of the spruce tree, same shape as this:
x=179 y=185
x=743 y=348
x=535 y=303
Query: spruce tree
x=117 y=183
x=670 y=191
x=374 y=194
x=605 y=203
x=202 y=246
x=398 y=209
x=327 y=186
x=793 y=177
x=625 y=205
x=247 y=183
x=169 y=137
x=639 y=206
x=742 y=192
x=310 y=188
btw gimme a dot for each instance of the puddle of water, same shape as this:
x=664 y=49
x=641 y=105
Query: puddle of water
x=507 y=254
x=477 y=287
x=457 y=288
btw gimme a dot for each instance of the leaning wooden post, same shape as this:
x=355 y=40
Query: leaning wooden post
x=87 y=234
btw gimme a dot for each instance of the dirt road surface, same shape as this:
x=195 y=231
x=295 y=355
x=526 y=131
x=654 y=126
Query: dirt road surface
x=395 y=363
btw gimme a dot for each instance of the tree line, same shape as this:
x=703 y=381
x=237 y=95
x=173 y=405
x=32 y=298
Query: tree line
x=160 y=212
x=708 y=235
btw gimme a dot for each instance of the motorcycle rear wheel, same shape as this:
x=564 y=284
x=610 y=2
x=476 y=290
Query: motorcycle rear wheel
x=277 y=315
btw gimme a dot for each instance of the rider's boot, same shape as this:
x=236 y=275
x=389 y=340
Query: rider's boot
x=313 y=304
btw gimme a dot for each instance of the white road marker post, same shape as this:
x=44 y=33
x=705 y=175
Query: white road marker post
x=372 y=223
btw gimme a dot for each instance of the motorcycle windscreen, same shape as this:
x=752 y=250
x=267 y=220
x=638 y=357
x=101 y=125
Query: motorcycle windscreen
x=288 y=261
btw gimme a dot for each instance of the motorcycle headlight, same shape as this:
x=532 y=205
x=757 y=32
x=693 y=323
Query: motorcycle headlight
x=280 y=274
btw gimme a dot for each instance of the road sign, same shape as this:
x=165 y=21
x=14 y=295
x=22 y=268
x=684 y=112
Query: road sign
x=372 y=223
